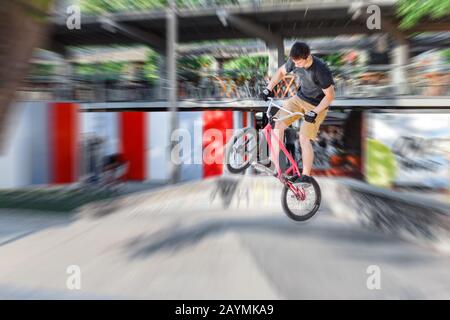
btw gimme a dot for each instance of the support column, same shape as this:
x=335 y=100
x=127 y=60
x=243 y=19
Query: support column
x=171 y=50
x=276 y=56
x=64 y=77
x=400 y=60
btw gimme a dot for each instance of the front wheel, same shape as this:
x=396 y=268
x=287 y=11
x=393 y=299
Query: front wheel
x=301 y=201
x=241 y=150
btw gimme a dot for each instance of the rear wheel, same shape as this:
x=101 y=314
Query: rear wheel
x=241 y=150
x=301 y=201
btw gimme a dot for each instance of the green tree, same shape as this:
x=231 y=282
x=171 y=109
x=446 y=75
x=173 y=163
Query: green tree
x=104 y=71
x=411 y=11
x=150 y=71
x=334 y=59
x=41 y=69
x=247 y=67
x=189 y=67
x=447 y=55
x=98 y=6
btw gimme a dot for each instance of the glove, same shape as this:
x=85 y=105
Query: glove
x=310 y=116
x=266 y=94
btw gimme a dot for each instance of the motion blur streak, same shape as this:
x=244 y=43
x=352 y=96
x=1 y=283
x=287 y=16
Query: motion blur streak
x=93 y=204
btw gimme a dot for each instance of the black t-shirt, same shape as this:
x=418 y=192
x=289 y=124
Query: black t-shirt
x=312 y=80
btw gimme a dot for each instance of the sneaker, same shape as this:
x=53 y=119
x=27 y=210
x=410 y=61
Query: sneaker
x=292 y=178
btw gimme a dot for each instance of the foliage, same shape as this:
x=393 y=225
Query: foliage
x=99 y=6
x=103 y=71
x=189 y=67
x=446 y=54
x=42 y=69
x=411 y=11
x=247 y=67
x=333 y=60
x=150 y=71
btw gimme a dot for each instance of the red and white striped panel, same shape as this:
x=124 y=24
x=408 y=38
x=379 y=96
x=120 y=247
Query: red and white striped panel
x=55 y=134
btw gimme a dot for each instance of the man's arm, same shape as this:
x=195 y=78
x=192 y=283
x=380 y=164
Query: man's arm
x=281 y=72
x=326 y=101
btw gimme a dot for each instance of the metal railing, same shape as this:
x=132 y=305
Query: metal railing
x=350 y=82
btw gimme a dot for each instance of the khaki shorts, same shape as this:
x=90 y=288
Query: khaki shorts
x=295 y=104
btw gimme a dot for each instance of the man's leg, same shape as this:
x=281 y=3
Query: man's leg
x=308 y=132
x=292 y=104
x=307 y=154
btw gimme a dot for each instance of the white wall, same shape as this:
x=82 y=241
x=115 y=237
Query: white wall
x=41 y=149
x=158 y=142
x=104 y=125
x=193 y=123
x=24 y=160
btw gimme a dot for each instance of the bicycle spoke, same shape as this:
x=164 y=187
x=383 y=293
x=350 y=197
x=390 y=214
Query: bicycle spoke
x=241 y=150
x=302 y=207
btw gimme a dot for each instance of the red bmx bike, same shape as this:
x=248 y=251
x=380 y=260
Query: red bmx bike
x=300 y=200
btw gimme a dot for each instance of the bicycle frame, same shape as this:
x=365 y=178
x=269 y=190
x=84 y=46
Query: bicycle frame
x=268 y=132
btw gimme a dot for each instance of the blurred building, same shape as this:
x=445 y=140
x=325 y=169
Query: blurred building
x=57 y=143
x=66 y=124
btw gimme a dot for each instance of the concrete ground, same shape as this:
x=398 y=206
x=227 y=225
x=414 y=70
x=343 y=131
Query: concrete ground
x=209 y=253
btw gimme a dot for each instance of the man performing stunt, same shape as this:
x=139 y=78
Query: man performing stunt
x=313 y=98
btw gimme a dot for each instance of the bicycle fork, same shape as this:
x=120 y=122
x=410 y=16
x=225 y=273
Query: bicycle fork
x=298 y=192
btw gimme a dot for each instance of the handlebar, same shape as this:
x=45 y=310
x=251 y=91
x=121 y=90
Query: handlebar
x=290 y=113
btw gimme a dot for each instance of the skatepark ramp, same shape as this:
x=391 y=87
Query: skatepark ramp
x=417 y=219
